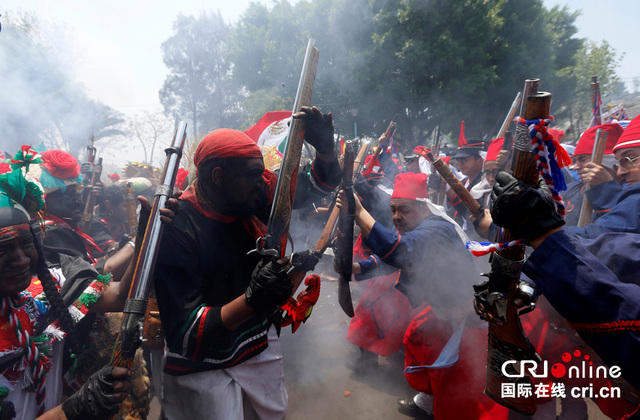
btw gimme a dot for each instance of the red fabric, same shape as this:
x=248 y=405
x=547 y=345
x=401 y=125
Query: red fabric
x=61 y=164
x=588 y=139
x=631 y=135
x=447 y=160
x=89 y=244
x=457 y=390
x=254 y=226
x=494 y=148
x=369 y=165
x=551 y=336
x=557 y=134
x=381 y=317
x=461 y=139
x=256 y=130
x=225 y=142
x=422 y=151
x=181 y=178
x=410 y=186
x=114 y=177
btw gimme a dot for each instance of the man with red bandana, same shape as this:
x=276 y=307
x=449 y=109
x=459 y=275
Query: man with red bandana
x=222 y=356
x=433 y=267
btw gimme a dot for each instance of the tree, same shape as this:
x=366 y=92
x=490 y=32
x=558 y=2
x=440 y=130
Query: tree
x=198 y=85
x=592 y=59
x=148 y=127
x=41 y=103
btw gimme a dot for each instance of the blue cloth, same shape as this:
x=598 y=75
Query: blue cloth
x=584 y=290
x=435 y=266
x=623 y=217
x=602 y=198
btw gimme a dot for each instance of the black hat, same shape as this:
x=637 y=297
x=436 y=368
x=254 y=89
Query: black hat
x=472 y=148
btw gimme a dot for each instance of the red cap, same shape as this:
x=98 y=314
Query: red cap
x=631 y=135
x=225 y=142
x=587 y=140
x=410 y=186
x=494 y=148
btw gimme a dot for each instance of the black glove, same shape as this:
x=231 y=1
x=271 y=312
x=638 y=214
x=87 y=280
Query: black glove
x=527 y=212
x=318 y=130
x=306 y=260
x=97 y=399
x=270 y=287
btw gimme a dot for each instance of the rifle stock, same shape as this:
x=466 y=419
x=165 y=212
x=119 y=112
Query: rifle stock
x=463 y=194
x=274 y=242
x=510 y=115
x=596 y=102
x=507 y=340
x=132 y=217
x=87 y=216
x=131 y=328
x=596 y=157
x=378 y=149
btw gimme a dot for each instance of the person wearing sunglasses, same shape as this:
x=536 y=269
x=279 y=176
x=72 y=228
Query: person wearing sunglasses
x=470 y=161
x=598 y=182
x=624 y=215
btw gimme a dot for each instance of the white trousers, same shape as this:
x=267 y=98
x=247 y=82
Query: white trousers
x=252 y=390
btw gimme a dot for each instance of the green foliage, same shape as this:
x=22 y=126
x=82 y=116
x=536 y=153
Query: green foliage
x=592 y=59
x=198 y=86
x=428 y=62
x=260 y=102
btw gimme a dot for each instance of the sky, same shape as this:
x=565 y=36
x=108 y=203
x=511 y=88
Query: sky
x=122 y=63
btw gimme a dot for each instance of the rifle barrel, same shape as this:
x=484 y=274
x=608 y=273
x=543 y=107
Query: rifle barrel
x=130 y=336
x=280 y=216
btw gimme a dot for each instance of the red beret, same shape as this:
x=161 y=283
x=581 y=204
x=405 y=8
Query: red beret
x=588 y=139
x=410 y=186
x=631 y=135
x=494 y=149
x=224 y=143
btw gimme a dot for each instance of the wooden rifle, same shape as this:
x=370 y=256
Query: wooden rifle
x=131 y=329
x=463 y=194
x=273 y=244
x=510 y=115
x=507 y=341
x=440 y=187
x=299 y=308
x=132 y=217
x=508 y=146
x=344 y=243
x=87 y=216
x=596 y=157
x=596 y=102
x=377 y=150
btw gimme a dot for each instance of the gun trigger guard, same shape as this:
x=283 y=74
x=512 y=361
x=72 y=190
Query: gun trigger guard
x=262 y=251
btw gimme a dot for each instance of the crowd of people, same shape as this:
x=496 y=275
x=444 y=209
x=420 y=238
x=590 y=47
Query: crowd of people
x=66 y=268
